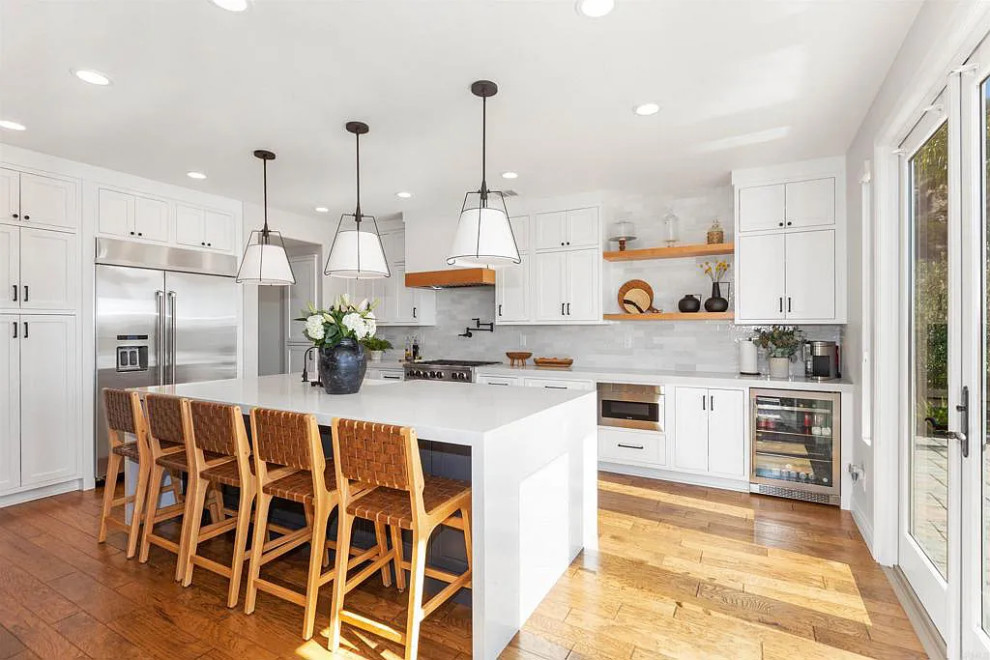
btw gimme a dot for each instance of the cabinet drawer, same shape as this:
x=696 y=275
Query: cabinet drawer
x=554 y=384
x=504 y=381
x=626 y=446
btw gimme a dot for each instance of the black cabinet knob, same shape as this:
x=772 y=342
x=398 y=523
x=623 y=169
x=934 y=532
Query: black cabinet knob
x=140 y=234
x=27 y=217
x=780 y=224
x=14 y=215
x=132 y=233
x=789 y=224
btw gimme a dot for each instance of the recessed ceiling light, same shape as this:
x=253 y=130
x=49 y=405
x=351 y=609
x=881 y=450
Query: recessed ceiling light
x=196 y=175
x=231 y=5
x=403 y=194
x=510 y=175
x=92 y=77
x=11 y=125
x=321 y=209
x=595 y=8
x=646 y=109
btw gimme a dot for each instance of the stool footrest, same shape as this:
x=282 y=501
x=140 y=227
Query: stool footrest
x=372 y=626
x=210 y=565
x=284 y=544
x=216 y=529
x=282 y=592
x=446 y=593
x=163 y=542
x=368 y=570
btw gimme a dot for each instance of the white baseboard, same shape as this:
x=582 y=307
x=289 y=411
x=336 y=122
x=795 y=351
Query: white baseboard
x=38 y=493
x=865 y=526
x=675 y=476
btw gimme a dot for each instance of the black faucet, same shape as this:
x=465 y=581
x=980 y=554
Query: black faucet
x=478 y=327
x=305 y=374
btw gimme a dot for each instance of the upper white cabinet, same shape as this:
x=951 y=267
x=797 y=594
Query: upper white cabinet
x=512 y=285
x=567 y=229
x=38 y=269
x=394 y=244
x=567 y=285
x=41 y=201
x=199 y=227
x=790 y=260
x=133 y=216
x=301 y=294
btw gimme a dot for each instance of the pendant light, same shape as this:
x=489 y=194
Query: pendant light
x=357 y=251
x=484 y=236
x=265 y=261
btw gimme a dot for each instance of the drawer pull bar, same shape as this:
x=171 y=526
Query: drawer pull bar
x=631 y=446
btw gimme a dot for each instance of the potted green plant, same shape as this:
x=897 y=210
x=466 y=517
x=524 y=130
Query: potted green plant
x=376 y=347
x=339 y=333
x=781 y=343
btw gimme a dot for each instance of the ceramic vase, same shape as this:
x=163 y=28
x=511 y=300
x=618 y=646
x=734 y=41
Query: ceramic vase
x=780 y=367
x=342 y=367
x=716 y=303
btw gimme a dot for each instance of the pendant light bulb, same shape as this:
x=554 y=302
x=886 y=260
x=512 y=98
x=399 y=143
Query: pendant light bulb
x=484 y=235
x=265 y=261
x=356 y=251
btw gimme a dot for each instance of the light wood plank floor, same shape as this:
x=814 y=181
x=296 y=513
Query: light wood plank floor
x=682 y=572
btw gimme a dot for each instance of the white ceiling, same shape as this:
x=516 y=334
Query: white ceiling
x=741 y=83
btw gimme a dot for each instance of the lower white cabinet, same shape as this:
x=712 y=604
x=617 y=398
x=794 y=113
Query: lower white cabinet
x=558 y=384
x=709 y=431
x=39 y=432
x=384 y=373
x=499 y=381
x=631 y=446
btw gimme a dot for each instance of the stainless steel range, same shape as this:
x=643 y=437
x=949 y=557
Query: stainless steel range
x=455 y=371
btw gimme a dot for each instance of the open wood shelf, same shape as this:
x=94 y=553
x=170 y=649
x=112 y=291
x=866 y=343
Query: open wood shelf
x=672 y=316
x=676 y=252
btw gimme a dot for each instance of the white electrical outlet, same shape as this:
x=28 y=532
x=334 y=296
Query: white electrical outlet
x=522 y=340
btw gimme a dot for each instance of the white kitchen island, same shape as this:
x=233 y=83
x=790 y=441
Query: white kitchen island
x=533 y=473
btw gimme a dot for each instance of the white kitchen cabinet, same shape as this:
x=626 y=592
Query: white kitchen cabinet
x=295 y=357
x=559 y=384
x=709 y=431
x=566 y=286
x=394 y=244
x=761 y=208
x=520 y=231
x=198 y=227
x=567 y=229
x=10 y=405
x=631 y=446
x=10 y=268
x=10 y=195
x=48 y=392
x=48 y=202
x=549 y=286
x=398 y=305
x=499 y=381
x=760 y=290
x=512 y=292
x=809 y=275
x=377 y=372
x=49 y=273
x=132 y=216
x=302 y=294
x=218 y=230
x=810 y=203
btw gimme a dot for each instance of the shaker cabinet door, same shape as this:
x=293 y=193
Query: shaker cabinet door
x=10 y=402
x=218 y=230
x=551 y=230
x=151 y=219
x=583 y=295
x=116 y=213
x=10 y=251
x=691 y=428
x=512 y=292
x=189 y=226
x=50 y=279
x=810 y=275
x=810 y=203
x=760 y=277
x=761 y=208
x=726 y=432
x=10 y=195
x=582 y=228
x=49 y=202
x=549 y=286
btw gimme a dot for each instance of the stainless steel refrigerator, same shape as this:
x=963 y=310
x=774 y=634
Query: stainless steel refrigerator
x=163 y=315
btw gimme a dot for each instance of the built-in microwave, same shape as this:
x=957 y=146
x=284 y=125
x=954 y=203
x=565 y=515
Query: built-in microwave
x=630 y=406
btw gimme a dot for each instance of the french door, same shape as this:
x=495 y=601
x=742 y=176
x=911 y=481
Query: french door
x=944 y=510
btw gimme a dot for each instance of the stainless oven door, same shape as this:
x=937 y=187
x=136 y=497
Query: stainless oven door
x=630 y=406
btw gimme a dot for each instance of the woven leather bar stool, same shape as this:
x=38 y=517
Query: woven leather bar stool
x=168 y=429
x=125 y=417
x=289 y=461
x=387 y=457
x=219 y=454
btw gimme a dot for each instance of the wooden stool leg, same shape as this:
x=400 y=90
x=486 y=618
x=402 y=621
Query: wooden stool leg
x=150 y=509
x=109 y=489
x=344 y=523
x=240 y=544
x=382 y=539
x=417 y=576
x=189 y=518
x=397 y=548
x=466 y=516
x=257 y=548
x=216 y=503
x=317 y=546
x=140 y=498
x=198 y=502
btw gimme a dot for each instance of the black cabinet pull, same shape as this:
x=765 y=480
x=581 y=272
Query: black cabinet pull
x=568 y=309
x=500 y=309
x=788 y=304
x=25 y=329
x=703 y=402
x=781 y=304
x=711 y=403
x=14 y=287
x=414 y=312
x=561 y=309
x=26 y=298
x=15 y=329
x=624 y=446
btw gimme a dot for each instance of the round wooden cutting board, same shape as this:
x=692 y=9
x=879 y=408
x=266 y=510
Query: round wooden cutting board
x=636 y=297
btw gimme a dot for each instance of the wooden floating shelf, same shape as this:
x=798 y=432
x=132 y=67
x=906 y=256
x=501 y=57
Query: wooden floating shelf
x=672 y=316
x=676 y=252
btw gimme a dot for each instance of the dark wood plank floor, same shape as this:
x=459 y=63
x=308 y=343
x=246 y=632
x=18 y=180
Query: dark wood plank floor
x=682 y=572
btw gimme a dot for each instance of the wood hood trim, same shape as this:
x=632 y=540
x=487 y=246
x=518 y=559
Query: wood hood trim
x=446 y=279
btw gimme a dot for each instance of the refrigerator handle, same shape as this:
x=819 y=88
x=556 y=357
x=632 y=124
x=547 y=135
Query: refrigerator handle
x=160 y=343
x=171 y=336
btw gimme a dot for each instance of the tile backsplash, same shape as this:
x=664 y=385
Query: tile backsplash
x=706 y=346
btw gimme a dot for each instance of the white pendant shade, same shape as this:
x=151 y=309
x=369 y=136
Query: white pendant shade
x=357 y=254
x=265 y=264
x=483 y=238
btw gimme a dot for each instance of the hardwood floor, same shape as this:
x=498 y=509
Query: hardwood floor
x=682 y=572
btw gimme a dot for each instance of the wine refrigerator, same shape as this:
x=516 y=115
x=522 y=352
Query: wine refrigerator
x=795 y=445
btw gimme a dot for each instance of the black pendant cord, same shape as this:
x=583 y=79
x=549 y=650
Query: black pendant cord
x=264 y=231
x=484 y=132
x=357 y=161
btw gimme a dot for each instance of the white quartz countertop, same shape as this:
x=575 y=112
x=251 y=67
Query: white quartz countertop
x=459 y=413
x=666 y=377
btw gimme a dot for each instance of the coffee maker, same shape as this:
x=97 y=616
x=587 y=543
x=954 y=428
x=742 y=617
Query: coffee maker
x=821 y=360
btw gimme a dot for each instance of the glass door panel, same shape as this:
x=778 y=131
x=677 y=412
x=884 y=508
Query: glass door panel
x=795 y=439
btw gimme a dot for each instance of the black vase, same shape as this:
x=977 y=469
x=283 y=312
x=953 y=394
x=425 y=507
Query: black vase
x=342 y=367
x=716 y=303
x=689 y=304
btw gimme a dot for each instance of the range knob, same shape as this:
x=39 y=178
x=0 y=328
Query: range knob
x=438 y=374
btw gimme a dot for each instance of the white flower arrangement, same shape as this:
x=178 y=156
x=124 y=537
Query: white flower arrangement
x=344 y=320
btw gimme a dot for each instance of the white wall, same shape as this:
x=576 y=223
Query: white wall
x=931 y=47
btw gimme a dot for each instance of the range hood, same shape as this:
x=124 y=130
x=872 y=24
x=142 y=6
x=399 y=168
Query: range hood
x=451 y=279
